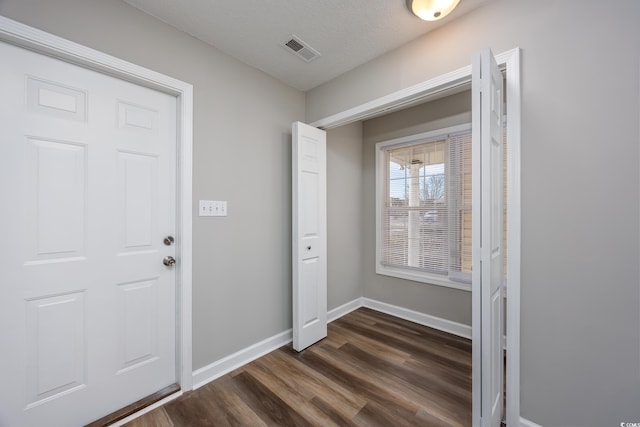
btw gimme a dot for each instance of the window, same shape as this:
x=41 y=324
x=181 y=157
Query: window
x=424 y=207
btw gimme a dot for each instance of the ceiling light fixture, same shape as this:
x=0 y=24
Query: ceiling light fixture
x=431 y=10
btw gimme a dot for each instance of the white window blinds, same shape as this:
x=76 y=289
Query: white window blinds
x=426 y=209
x=460 y=205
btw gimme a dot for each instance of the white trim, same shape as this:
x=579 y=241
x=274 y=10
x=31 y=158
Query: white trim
x=432 y=135
x=417 y=276
x=22 y=35
x=31 y=38
x=477 y=387
x=147 y=409
x=397 y=100
x=344 y=309
x=514 y=121
x=526 y=423
x=411 y=95
x=434 y=322
x=240 y=358
x=510 y=60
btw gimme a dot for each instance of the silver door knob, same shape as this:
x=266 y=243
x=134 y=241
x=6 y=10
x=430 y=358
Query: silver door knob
x=169 y=261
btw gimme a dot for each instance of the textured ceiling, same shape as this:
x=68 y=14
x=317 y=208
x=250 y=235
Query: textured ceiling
x=347 y=33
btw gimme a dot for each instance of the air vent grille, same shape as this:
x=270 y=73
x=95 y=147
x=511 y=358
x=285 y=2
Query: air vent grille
x=294 y=45
x=301 y=49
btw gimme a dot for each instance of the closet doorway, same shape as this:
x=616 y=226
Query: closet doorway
x=444 y=86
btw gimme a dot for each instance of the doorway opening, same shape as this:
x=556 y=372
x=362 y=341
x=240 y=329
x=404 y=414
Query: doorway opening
x=441 y=87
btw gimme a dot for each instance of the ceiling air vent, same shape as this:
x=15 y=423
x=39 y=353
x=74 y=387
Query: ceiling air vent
x=301 y=49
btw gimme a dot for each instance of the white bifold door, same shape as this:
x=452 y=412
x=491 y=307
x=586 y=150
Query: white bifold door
x=309 y=241
x=87 y=312
x=487 y=98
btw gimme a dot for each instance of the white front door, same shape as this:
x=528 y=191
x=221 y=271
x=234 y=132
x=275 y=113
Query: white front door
x=87 y=314
x=487 y=98
x=309 y=215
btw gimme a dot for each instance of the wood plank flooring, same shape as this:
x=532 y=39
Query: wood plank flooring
x=371 y=370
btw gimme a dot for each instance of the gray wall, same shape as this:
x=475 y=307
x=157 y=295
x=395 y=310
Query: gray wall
x=580 y=347
x=447 y=303
x=344 y=214
x=242 y=126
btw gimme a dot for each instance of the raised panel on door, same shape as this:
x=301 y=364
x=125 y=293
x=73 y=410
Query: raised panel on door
x=56 y=100
x=496 y=358
x=56 y=346
x=138 y=311
x=137 y=118
x=56 y=180
x=309 y=205
x=309 y=274
x=309 y=236
x=138 y=188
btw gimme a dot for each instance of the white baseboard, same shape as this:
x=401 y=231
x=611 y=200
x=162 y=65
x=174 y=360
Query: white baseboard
x=227 y=364
x=439 y=323
x=347 y=308
x=527 y=423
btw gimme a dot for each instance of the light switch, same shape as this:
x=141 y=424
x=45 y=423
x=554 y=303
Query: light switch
x=212 y=208
x=220 y=208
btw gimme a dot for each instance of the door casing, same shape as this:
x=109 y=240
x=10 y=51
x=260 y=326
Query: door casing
x=437 y=87
x=31 y=38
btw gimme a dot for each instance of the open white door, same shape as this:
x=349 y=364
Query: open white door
x=487 y=98
x=309 y=235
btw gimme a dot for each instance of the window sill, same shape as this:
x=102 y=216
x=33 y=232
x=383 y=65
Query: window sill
x=430 y=279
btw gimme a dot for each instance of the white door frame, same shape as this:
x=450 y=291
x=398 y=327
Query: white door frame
x=432 y=89
x=30 y=38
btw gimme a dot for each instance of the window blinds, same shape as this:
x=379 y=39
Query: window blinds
x=426 y=214
x=460 y=216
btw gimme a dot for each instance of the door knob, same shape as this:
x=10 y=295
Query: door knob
x=169 y=261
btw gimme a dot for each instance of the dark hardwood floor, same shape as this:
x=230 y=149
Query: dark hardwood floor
x=372 y=370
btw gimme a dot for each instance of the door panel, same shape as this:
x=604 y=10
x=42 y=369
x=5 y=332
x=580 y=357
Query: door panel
x=138 y=338
x=309 y=236
x=138 y=178
x=495 y=276
x=56 y=346
x=87 y=318
x=309 y=279
x=56 y=185
x=56 y=100
x=487 y=82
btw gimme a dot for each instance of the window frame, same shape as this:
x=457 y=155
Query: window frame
x=408 y=273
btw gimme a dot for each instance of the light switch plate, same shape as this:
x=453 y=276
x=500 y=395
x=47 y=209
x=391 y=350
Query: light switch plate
x=212 y=208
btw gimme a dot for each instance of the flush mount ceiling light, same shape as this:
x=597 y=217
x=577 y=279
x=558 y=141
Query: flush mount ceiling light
x=431 y=10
